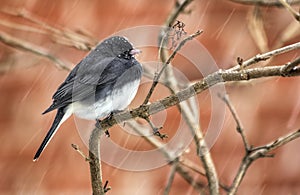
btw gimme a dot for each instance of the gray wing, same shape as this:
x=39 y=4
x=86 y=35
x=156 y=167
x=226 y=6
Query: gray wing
x=88 y=76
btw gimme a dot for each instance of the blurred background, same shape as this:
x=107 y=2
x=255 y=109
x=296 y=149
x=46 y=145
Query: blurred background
x=268 y=108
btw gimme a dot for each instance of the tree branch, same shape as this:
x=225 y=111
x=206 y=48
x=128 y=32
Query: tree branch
x=290 y=9
x=171 y=57
x=222 y=76
x=266 y=56
x=79 y=40
x=26 y=46
x=185 y=110
x=264 y=2
x=257 y=153
x=169 y=157
x=95 y=162
x=210 y=80
x=239 y=126
x=171 y=177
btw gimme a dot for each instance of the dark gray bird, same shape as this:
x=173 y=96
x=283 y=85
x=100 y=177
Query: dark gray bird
x=104 y=82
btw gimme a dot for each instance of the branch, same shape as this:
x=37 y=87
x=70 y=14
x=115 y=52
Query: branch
x=184 y=108
x=66 y=37
x=290 y=9
x=187 y=177
x=266 y=56
x=264 y=2
x=171 y=57
x=256 y=28
x=257 y=153
x=239 y=126
x=169 y=157
x=210 y=80
x=26 y=46
x=171 y=177
x=291 y=65
x=179 y=8
x=198 y=87
x=77 y=149
x=95 y=162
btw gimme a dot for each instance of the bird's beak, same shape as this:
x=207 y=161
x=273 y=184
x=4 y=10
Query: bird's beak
x=135 y=51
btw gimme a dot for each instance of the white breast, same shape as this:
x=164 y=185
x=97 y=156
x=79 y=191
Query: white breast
x=118 y=100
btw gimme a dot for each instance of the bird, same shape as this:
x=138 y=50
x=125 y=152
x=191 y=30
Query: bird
x=102 y=83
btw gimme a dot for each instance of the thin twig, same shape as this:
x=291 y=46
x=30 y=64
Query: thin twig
x=171 y=177
x=26 y=46
x=291 y=65
x=290 y=9
x=155 y=129
x=157 y=77
x=266 y=56
x=256 y=28
x=287 y=34
x=178 y=9
x=77 y=149
x=279 y=141
x=257 y=153
x=65 y=37
x=197 y=185
x=169 y=157
x=185 y=110
x=155 y=142
x=264 y=2
x=239 y=126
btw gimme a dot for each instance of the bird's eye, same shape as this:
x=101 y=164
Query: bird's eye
x=125 y=55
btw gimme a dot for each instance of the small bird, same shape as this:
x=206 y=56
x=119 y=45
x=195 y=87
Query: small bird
x=104 y=82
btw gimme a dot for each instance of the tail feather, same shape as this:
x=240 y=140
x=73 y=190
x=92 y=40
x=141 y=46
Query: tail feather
x=60 y=117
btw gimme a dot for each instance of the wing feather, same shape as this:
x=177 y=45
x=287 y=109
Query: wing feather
x=82 y=82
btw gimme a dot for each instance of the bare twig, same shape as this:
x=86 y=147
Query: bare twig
x=194 y=126
x=257 y=153
x=106 y=188
x=170 y=158
x=257 y=30
x=155 y=129
x=198 y=87
x=77 y=149
x=264 y=2
x=95 y=162
x=171 y=177
x=22 y=27
x=26 y=46
x=178 y=9
x=157 y=77
x=188 y=178
x=289 y=33
x=290 y=9
x=239 y=126
x=291 y=65
x=266 y=56
x=65 y=37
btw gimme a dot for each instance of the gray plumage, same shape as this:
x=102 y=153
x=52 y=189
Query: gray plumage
x=103 y=82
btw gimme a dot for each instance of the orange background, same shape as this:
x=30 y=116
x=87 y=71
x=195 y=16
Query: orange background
x=268 y=107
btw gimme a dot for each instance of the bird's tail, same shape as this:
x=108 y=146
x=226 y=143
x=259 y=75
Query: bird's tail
x=60 y=117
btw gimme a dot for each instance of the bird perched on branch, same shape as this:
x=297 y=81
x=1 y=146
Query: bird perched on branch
x=104 y=82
